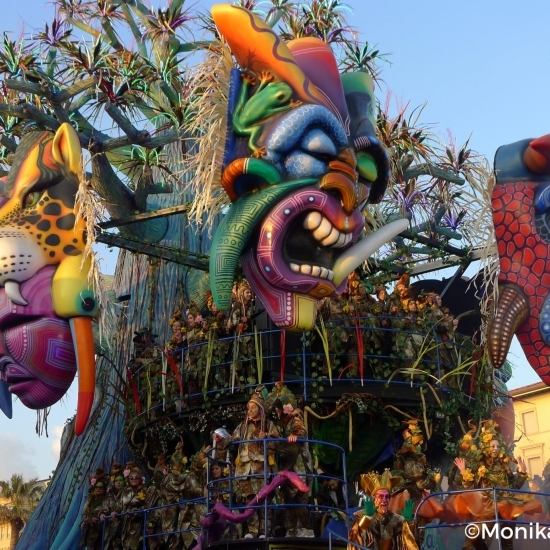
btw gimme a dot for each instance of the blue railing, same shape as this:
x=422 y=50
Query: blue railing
x=268 y=506
x=144 y=515
x=307 y=364
x=212 y=493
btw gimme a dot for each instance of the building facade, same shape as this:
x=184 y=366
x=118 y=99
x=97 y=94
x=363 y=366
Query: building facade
x=532 y=432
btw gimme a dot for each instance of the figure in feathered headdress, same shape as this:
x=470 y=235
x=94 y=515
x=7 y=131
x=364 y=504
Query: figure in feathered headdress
x=376 y=525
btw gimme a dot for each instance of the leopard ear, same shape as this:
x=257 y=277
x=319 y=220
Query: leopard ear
x=66 y=150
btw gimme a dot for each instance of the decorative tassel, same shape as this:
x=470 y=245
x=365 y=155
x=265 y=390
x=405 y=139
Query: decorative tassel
x=350 y=431
x=360 y=348
x=202 y=169
x=209 y=354
x=283 y=354
x=259 y=354
x=135 y=391
x=236 y=345
x=324 y=339
x=42 y=421
x=175 y=370
x=149 y=390
x=163 y=380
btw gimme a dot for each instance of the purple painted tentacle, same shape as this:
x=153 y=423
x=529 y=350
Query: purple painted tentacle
x=295 y=479
x=215 y=522
x=225 y=513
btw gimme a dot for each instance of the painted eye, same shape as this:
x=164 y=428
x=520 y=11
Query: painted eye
x=32 y=199
x=83 y=304
x=280 y=96
x=87 y=303
x=318 y=143
x=366 y=166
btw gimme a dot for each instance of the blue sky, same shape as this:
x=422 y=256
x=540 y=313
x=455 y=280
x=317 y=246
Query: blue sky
x=482 y=68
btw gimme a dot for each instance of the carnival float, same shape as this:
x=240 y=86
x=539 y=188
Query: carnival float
x=269 y=367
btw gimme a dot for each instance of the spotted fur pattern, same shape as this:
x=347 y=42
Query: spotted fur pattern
x=37 y=220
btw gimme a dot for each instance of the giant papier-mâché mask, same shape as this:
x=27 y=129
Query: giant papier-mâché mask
x=45 y=303
x=521 y=216
x=301 y=161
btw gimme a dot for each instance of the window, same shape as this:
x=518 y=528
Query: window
x=534 y=466
x=530 y=424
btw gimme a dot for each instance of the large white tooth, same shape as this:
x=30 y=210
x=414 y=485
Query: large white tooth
x=316 y=271
x=324 y=272
x=295 y=268
x=341 y=241
x=305 y=269
x=313 y=221
x=330 y=275
x=332 y=238
x=323 y=231
x=14 y=293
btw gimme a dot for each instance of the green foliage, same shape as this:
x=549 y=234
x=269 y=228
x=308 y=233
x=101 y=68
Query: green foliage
x=22 y=496
x=370 y=438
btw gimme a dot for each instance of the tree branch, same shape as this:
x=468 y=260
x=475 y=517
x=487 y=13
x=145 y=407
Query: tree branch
x=61 y=114
x=434 y=244
x=125 y=125
x=45 y=89
x=8 y=143
x=169 y=254
x=11 y=110
x=32 y=112
x=149 y=143
x=42 y=90
x=163 y=212
x=431 y=170
x=75 y=89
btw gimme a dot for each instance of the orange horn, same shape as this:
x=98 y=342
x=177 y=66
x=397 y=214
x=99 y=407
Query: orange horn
x=537 y=155
x=512 y=310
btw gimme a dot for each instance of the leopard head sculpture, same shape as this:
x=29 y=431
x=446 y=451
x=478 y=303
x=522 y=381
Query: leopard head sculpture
x=46 y=305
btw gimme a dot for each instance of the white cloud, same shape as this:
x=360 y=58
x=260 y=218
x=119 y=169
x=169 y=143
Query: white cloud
x=56 y=434
x=16 y=457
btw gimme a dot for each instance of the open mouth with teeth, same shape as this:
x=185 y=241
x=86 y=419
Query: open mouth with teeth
x=313 y=244
x=295 y=260
x=306 y=247
x=301 y=240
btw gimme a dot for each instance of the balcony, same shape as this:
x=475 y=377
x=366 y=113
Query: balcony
x=390 y=358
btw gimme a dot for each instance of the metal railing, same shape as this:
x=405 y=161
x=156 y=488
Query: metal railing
x=212 y=493
x=307 y=364
x=268 y=506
